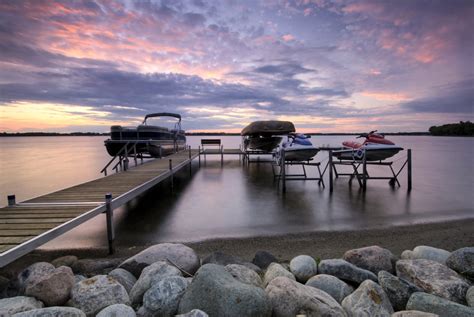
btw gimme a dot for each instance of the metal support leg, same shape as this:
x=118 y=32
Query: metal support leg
x=331 y=166
x=199 y=151
x=171 y=174
x=364 y=171
x=283 y=171
x=409 y=168
x=222 y=155
x=109 y=213
x=321 y=180
x=190 y=162
x=11 y=200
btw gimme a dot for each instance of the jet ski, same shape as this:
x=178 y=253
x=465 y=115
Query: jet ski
x=375 y=147
x=298 y=148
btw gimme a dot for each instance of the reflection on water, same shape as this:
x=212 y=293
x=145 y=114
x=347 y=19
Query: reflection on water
x=237 y=200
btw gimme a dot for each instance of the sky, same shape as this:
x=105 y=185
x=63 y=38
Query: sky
x=326 y=65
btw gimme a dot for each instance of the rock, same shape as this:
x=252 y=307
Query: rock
x=263 y=259
x=397 y=290
x=462 y=261
x=303 y=267
x=407 y=255
x=373 y=258
x=163 y=298
x=216 y=292
x=95 y=293
x=413 y=313
x=226 y=259
x=4 y=284
x=434 y=278
x=151 y=275
x=67 y=260
x=95 y=266
x=437 y=305
x=244 y=274
x=117 y=310
x=184 y=257
x=470 y=296
x=78 y=278
x=331 y=285
x=124 y=277
x=430 y=253
x=52 y=312
x=194 y=313
x=290 y=298
x=18 y=304
x=275 y=270
x=32 y=273
x=368 y=299
x=53 y=288
x=345 y=271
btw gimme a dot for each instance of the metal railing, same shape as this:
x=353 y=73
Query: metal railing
x=128 y=150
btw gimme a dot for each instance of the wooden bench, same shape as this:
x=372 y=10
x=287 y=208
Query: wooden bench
x=212 y=142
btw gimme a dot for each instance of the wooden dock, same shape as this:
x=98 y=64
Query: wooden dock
x=30 y=224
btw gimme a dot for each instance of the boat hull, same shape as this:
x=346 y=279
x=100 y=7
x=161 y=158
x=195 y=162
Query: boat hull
x=261 y=143
x=372 y=154
x=300 y=154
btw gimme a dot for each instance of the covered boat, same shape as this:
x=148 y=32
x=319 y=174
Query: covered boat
x=265 y=135
x=375 y=148
x=155 y=141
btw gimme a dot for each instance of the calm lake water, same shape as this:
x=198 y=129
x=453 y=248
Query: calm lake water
x=239 y=201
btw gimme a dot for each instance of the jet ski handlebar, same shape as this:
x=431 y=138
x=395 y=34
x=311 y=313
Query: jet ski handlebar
x=365 y=135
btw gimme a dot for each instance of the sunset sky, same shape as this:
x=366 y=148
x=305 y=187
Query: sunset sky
x=326 y=65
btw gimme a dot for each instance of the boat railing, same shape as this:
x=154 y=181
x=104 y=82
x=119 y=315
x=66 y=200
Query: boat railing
x=129 y=149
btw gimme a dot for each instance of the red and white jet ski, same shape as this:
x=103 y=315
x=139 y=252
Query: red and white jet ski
x=376 y=148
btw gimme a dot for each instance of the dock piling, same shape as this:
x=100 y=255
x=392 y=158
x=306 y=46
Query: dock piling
x=283 y=171
x=11 y=200
x=330 y=171
x=171 y=174
x=109 y=213
x=364 y=171
x=222 y=155
x=190 y=161
x=409 y=168
x=199 y=155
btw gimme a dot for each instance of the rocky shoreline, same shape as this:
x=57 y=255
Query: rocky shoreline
x=172 y=280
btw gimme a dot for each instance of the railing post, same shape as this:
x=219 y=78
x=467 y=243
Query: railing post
x=171 y=172
x=283 y=170
x=11 y=200
x=199 y=151
x=190 y=162
x=109 y=213
x=409 y=168
x=364 y=171
x=330 y=171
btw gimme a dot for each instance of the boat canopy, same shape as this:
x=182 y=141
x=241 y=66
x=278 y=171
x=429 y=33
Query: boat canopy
x=270 y=127
x=162 y=114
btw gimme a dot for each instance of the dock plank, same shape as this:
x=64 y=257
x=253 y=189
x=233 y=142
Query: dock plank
x=35 y=220
x=14 y=240
x=24 y=232
x=26 y=226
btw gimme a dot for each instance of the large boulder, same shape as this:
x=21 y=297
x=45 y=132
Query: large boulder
x=397 y=290
x=91 y=267
x=373 y=258
x=124 y=277
x=52 y=312
x=437 y=305
x=117 y=310
x=303 y=267
x=218 y=293
x=275 y=270
x=368 y=299
x=434 y=278
x=290 y=298
x=33 y=273
x=67 y=260
x=345 y=271
x=193 y=313
x=18 y=304
x=226 y=259
x=163 y=298
x=151 y=275
x=430 y=253
x=462 y=261
x=263 y=259
x=331 y=285
x=413 y=313
x=95 y=293
x=244 y=274
x=470 y=296
x=51 y=288
x=179 y=254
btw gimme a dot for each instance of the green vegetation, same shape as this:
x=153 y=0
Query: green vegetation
x=454 y=129
x=52 y=134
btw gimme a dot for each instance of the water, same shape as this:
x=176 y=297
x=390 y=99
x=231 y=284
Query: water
x=240 y=201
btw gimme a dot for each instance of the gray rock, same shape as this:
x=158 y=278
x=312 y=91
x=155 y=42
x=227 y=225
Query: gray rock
x=95 y=293
x=434 y=278
x=437 y=305
x=67 y=260
x=18 y=304
x=244 y=274
x=151 y=275
x=117 y=310
x=4 y=284
x=143 y=312
x=32 y=273
x=407 y=255
x=95 y=266
x=303 y=267
x=184 y=257
x=218 y=293
x=52 y=312
x=194 y=313
x=413 y=313
x=290 y=298
x=78 y=278
x=470 y=296
x=397 y=290
x=462 y=261
x=226 y=259
x=430 y=253
x=53 y=288
x=275 y=270
x=163 y=298
x=368 y=299
x=263 y=259
x=124 y=277
x=345 y=271
x=373 y=258
x=331 y=285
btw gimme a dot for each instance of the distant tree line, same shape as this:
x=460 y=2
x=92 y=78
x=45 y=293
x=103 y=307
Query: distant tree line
x=52 y=134
x=454 y=129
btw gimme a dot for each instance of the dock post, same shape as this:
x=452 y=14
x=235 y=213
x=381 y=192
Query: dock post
x=222 y=155
x=190 y=161
x=11 y=200
x=171 y=176
x=409 y=168
x=199 y=151
x=364 y=171
x=125 y=164
x=283 y=171
x=330 y=171
x=109 y=213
